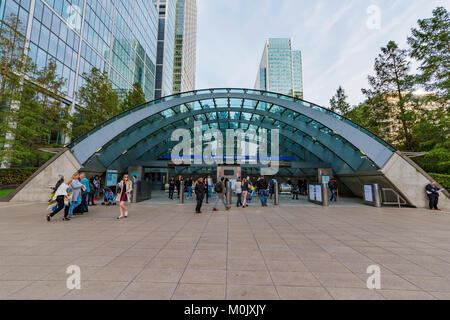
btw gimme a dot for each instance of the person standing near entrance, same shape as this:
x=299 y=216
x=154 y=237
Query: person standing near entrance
x=433 y=195
x=189 y=183
x=200 y=191
x=238 y=190
x=85 y=192
x=124 y=195
x=171 y=187
x=220 y=191
x=263 y=190
x=333 y=188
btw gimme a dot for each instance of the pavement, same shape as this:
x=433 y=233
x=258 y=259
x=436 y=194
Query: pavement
x=165 y=251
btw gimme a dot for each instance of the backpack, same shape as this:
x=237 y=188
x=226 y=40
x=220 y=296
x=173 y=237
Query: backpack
x=218 y=187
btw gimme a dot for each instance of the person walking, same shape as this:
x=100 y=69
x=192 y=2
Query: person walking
x=333 y=188
x=200 y=191
x=76 y=187
x=51 y=200
x=171 y=187
x=210 y=185
x=433 y=195
x=263 y=190
x=206 y=189
x=97 y=184
x=85 y=192
x=295 y=191
x=220 y=191
x=60 y=195
x=245 y=190
x=124 y=195
x=189 y=184
x=238 y=190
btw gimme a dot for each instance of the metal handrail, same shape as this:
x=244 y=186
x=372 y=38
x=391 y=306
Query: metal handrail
x=400 y=200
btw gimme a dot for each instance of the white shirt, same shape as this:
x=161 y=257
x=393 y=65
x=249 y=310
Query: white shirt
x=62 y=191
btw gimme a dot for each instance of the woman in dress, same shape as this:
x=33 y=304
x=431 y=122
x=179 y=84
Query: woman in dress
x=124 y=195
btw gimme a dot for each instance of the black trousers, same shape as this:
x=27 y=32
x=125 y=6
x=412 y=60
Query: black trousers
x=60 y=206
x=207 y=196
x=434 y=198
x=171 y=192
x=199 y=204
x=91 y=198
x=239 y=199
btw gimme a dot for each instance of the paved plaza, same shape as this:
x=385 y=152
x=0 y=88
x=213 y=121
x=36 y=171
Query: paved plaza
x=167 y=252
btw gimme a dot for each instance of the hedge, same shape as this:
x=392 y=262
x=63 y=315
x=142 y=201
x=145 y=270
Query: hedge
x=14 y=176
x=442 y=179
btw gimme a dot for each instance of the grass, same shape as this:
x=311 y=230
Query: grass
x=4 y=193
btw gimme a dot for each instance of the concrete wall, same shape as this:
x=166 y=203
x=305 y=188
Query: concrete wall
x=37 y=187
x=410 y=180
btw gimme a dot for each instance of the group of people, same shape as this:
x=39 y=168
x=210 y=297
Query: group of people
x=76 y=194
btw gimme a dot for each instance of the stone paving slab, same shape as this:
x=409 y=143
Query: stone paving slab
x=165 y=251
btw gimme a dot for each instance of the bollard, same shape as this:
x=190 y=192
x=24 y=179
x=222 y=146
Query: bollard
x=181 y=192
x=229 y=193
x=276 y=198
x=376 y=195
x=325 y=195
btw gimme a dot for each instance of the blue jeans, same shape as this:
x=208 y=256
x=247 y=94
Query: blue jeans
x=73 y=205
x=263 y=194
x=209 y=190
x=189 y=195
x=333 y=195
x=84 y=201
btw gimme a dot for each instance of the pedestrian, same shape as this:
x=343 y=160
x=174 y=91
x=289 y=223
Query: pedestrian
x=206 y=189
x=238 y=190
x=76 y=187
x=91 y=192
x=433 y=195
x=97 y=184
x=245 y=191
x=171 y=187
x=124 y=195
x=200 y=191
x=333 y=188
x=295 y=191
x=51 y=199
x=220 y=191
x=263 y=190
x=61 y=195
x=84 y=193
x=189 y=183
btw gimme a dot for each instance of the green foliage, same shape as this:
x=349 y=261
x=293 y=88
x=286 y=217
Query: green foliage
x=390 y=91
x=338 y=102
x=4 y=193
x=430 y=46
x=15 y=175
x=133 y=98
x=99 y=102
x=442 y=179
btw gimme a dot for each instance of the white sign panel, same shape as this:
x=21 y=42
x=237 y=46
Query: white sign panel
x=368 y=195
x=312 y=192
x=318 y=193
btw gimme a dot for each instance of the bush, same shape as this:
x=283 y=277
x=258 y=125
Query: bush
x=15 y=175
x=442 y=179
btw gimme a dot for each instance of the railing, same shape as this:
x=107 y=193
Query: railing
x=400 y=201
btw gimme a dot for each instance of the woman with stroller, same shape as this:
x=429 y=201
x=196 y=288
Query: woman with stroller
x=124 y=195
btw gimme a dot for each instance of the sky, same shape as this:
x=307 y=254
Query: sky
x=339 y=40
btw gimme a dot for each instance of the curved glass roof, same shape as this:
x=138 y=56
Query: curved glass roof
x=308 y=132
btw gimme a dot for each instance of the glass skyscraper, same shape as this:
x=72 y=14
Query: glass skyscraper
x=185 y=46
x=116 y=36
x=165 y=47
x=280 y=69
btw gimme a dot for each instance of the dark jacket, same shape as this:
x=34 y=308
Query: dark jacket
x=246 y=186
x=200 y=190
x=172 y=185
x=432 y=190
x=332 y=184
x=261 y=184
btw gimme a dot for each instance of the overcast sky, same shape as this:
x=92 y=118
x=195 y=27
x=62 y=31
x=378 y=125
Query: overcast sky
x=337 y=45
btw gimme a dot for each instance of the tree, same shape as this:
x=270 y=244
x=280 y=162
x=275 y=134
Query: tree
x=57 y=113
x=391 y=91
x=133 y=98
x=98 y=102
x=430 y=46
x=338 y=102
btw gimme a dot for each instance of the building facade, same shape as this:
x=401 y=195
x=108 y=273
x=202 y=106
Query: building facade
x=281 y=68
x=185 y=46
x=165 y=48
x=117 y=36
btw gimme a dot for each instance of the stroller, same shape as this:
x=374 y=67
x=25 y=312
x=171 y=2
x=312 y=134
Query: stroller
x=109 y=197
